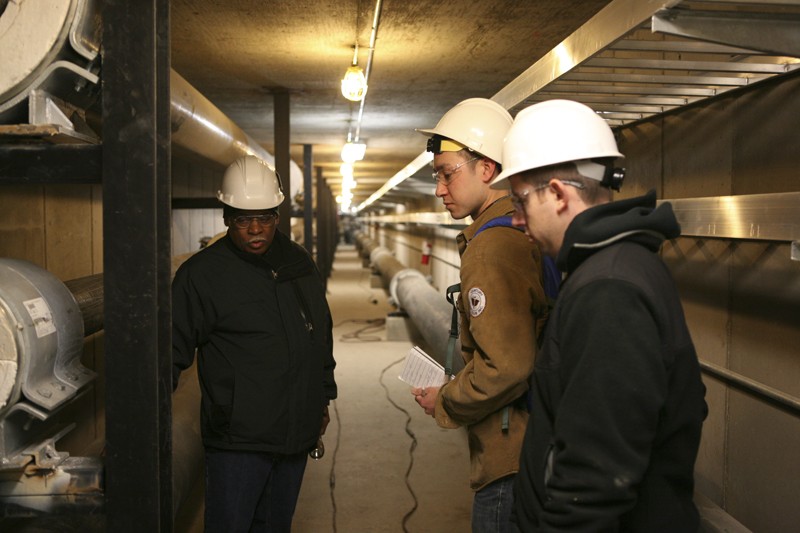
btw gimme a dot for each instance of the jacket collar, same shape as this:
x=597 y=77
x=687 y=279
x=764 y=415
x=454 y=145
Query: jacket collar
x=500 y=207
x=633 y=219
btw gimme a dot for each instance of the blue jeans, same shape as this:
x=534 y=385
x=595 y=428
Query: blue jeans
x=491 y=507
x=251 y=492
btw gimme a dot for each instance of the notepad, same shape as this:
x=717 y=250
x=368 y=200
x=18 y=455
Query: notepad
x=421 y=370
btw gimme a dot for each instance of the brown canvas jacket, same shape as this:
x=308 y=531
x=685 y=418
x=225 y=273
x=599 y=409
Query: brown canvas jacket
x=501 y=306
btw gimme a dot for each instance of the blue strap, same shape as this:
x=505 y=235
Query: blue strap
x=499 y=221
x=551 y=276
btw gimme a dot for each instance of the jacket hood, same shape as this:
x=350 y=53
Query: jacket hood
x=633 y=219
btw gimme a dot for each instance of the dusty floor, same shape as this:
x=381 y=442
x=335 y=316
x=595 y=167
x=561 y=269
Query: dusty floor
x=387 y=466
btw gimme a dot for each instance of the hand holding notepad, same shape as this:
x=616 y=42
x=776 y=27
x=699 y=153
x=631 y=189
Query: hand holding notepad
x=421 y=370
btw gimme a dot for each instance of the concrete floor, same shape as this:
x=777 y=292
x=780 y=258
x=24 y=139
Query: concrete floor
x=387 y=466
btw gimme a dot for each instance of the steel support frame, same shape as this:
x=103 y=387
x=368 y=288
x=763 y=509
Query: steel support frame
x=43 y=164
x=136 y=251
x=282 y=157
x=308 y=199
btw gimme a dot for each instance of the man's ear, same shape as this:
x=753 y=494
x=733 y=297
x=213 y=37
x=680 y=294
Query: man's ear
x=564 y=194
x=489 y=167
x=227 y=222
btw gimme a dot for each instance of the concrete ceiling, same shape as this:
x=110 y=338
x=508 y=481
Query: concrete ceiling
x=428 y=56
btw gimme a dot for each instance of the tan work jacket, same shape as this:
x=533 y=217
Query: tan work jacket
x=502 y=307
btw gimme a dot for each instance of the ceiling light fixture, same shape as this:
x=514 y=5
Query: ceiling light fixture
x=354 y=83
x=354 y=150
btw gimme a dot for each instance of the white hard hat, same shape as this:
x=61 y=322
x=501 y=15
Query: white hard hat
x=553 y=132
x=250 y=183
x=477 y=123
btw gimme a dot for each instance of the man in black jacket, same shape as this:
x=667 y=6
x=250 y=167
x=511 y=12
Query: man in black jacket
x=618 y=402
x=253 y=306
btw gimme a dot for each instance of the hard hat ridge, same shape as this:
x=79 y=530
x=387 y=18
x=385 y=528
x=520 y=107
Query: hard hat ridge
x=250 y=183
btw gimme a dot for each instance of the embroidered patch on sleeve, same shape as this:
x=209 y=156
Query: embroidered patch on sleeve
x=477 y=301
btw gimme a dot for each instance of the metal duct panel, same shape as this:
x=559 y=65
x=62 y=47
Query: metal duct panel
x=772 y=217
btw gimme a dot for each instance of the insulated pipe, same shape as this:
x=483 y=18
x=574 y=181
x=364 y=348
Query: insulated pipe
x=426 y=307
x=87 y=292
x=385 y=263
x=200 y=127
x=54 y=47
x=430 y=312
x=187 y=447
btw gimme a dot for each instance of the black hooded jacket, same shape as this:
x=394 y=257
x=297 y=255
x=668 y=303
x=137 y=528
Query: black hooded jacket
x=262 y=329
x=618 y=402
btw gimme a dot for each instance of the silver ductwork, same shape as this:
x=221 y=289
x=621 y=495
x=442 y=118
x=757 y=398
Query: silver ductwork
x=43 y=323
x=41 y=343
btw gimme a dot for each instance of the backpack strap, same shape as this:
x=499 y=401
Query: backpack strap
x=451 y=341
x=551 y=276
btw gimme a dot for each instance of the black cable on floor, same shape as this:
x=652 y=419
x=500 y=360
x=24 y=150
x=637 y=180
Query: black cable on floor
x=372 y=325
x=411 y=448
x=332 y=477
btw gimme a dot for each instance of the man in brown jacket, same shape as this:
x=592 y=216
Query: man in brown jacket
x=501 y=305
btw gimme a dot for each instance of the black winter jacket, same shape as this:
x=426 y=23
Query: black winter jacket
x=262 y=329
x=618 y=402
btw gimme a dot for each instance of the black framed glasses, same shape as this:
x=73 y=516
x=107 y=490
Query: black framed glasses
x=244 y=221
x=446 y=176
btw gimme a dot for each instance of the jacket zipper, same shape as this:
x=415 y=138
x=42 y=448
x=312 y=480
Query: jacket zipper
x=304 y=312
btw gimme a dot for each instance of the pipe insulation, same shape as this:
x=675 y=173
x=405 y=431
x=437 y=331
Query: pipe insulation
x=42 y=326
x=41 y=341
x=50 y=53
x=428 y=309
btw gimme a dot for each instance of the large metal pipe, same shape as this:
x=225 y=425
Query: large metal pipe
x=88 y=293
x=200 y=127
x=53 y=60
x=427 y=308
x=31 y=284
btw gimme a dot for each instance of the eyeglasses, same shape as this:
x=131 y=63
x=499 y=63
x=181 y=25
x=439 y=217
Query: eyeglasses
x=520 y=201
x=446 y=176
x=244 y=221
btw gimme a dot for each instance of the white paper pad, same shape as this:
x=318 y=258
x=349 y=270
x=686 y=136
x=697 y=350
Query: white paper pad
x=421 y=370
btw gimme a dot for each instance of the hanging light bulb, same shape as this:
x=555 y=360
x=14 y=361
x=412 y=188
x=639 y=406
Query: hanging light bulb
x=354 y=83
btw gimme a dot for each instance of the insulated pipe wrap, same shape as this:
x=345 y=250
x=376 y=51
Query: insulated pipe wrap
x=428 y=310
x=386 y=264
x=43 y=341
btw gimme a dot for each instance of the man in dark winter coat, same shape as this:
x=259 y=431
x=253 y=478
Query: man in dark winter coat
x=618 y=402
x=253 y=306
